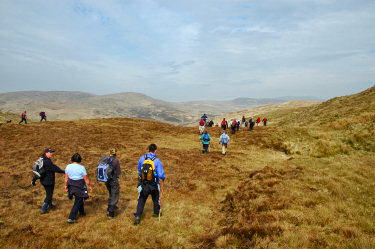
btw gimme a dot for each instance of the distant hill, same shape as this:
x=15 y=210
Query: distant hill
x=65 y=105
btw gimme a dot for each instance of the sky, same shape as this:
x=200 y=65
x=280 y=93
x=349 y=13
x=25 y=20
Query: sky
x=181 y=50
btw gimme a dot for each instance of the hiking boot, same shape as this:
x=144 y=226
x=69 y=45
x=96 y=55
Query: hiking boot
x=70 y=221
x=156 y=215
x=137 y=220
x=111 y=215
x=52 y=206
x=83 y=214
x=44 y=211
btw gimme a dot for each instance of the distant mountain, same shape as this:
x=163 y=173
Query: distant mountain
x=66 y=105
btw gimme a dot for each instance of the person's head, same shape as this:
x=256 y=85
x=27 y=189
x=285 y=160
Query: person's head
x=152 y=148
x=223 y=118
x=25 y=111
x=223 y=132
x=48 y=152
x=76 y=158
x=113 y=151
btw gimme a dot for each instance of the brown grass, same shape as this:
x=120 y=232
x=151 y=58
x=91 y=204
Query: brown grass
x=293 y=186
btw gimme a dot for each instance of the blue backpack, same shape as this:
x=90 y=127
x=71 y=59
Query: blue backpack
x=206 y=137
x=105 y=169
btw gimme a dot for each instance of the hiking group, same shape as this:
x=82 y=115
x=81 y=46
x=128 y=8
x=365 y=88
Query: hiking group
x=150 y=181
x=234 y=124
x=42 y=115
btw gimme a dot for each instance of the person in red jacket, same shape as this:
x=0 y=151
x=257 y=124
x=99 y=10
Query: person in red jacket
x=201 y=126
x=264 y=121
x=224 y=125
x=258 y=121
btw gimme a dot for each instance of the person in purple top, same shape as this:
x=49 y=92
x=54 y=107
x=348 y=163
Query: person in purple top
x=149 y=188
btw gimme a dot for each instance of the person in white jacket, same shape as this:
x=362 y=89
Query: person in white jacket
x=224 y=141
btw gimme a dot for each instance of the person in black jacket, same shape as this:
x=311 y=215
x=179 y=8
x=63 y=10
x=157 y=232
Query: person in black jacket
x=48 y=179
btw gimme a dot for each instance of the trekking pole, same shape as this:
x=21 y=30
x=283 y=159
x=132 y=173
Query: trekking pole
x=161 y=196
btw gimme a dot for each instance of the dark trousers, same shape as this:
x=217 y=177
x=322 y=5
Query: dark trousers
x=155 y=194
x=233 y=129
x=23 y=119
x=114 y=194
x=43 y=117
x=77 y=207
x=205 y=148
x=49 y=193
x=252 y=126
x=265 y=123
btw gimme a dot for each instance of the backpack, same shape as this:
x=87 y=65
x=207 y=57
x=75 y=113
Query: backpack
x=22 y=115
x=201 y=123
x=105 y=169
x=147 y=174
x=38 y=169
x=206 y=137
x=225 y=139
x=223 y=123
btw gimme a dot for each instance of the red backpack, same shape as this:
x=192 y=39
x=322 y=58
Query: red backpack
x=201 y=123
x=223 y=123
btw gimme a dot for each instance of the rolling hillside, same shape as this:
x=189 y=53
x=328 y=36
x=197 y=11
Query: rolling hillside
x=60 y=105
x=293 y=184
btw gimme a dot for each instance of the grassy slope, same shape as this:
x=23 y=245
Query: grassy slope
x=275 y=188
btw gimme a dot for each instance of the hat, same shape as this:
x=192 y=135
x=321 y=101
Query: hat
x=113 y=151
x=48 y=150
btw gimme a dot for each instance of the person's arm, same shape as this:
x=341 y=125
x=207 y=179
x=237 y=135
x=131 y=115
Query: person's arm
x=57 y=169
x=66 y=182
x=116 y=164
x=159 y=169
x=86 y=179
x=34 y=180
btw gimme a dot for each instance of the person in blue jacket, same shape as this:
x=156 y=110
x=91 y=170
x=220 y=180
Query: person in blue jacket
x=146 y=188
x=48 y=180
x=205 y=141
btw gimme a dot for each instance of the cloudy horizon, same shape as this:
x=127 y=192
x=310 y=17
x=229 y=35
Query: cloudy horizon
x=189 y=50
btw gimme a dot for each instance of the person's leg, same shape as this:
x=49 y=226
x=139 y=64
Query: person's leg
x=114 y=196
x=222 y=149
x=156 y=199
x=78 y=201
x=108 y=185
x=141 y=205
x=48 y=200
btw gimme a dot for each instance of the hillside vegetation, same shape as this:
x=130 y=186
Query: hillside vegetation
x=69 y=105
x=300 y=182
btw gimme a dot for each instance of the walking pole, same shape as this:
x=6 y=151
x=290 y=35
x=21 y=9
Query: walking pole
x=161 y=196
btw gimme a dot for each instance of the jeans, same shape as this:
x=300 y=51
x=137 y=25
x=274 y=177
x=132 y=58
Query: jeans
x=77 y=207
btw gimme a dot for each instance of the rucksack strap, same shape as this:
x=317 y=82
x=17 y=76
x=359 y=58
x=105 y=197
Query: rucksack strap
x=152 y=159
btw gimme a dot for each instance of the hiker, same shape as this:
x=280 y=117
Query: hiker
x=238 y=124
x=204 y=117
x=48 y=179
x=211 y=123
x=76 y=183
x=246 y=124
x=205 y=141
x=264 y=121
x=243 y=120
x=201 y=126
x=43 y=116
x=23 y=117
x=258 y=121
x=252 y=123
x=112 y=183
x=233 y=126
x=150 y=171
x=224 y=125
x=224 y=141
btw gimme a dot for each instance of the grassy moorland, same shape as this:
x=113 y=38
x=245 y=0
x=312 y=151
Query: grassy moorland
x=305 y=181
